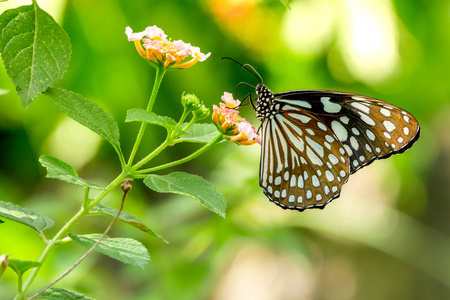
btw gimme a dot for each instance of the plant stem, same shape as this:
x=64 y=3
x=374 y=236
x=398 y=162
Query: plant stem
x=87 y=253
x=160 y=71
x=53 y=242
x=200 y=151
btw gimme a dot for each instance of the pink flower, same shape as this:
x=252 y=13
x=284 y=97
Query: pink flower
x=153 y=45
x=229 y=123
x=229 y=101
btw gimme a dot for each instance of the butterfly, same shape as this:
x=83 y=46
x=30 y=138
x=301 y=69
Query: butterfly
x=313 y=140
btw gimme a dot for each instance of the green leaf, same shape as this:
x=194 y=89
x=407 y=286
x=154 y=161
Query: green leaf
x=189 y=185
x=3 y=92
x=125 y=217
x=141 y=115
x=199 y=133
x=125 y=250
x=25 y=216
x=21 y=266
x=58 y=169
x=35 y=50
x=87 y=114
x=62 y=294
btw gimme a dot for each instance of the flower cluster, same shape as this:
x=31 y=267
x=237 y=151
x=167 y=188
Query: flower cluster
x=153 y=45
x=229 y=123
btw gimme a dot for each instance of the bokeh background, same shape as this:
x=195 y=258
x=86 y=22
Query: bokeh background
x=386 y=237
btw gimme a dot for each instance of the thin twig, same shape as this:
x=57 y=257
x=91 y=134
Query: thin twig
x=126 y=187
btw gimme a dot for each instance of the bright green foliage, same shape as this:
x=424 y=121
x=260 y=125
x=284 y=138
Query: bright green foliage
x=189 y=185
x=125 y=250
x=125 y=217
x=199 y=133
x=21 y=266
x=87 y=114
x=62 y=294
x=35 y=50
x=141 y=115
x=58 y=169
x=25 y=216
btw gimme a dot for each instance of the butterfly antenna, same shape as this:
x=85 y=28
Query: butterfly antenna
x=247 y=67
x=253 y=71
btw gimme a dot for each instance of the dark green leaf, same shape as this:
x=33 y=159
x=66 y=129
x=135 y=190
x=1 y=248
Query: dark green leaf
x=125 y=217
x=189 y=185
x=58 y=169
x=25 y=216
x=125 y=250
x=141 y=115
x=21 y=266
x=35 y=50
x=199 y=133
x=62 y=294
x=87 y=114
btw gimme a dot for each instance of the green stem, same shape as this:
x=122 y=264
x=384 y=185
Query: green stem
x=55 y=241
x=160 y=71
x=200 y=151
x=168 y=141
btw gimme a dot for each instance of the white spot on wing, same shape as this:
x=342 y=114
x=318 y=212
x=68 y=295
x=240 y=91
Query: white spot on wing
x=368 y=120
x=329 y=175
x=354 y=143
x=385 y=112
x=370 y=135
x=313 y=157
x=315 y=181
x=344 y=119
x=389 y=126
x=291 y=199
x=317 y=147
x=360 y=106
x=296 y=102
x=329 y=106
x=339 y=130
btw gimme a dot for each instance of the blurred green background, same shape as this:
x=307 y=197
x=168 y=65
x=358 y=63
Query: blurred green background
x=386 y=237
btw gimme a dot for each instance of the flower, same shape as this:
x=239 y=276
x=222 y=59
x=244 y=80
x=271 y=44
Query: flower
x=153 y=45
x=229 y=123
x=229 y=101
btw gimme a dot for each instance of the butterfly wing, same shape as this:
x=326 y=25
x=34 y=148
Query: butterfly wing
x=316 y=139
x=368 y=128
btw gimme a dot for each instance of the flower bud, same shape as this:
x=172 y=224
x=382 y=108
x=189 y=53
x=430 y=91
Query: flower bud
x=202 y=113
x=190 y=102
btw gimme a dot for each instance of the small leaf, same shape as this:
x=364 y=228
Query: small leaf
x=62 y=294
x=35 y=50
x=125 y=250
x=189 y=185
x=58 y=169
x=21 y=266
x=199 y=133
x=25 y=216
x=141 y=115
x=125 y=217
x=86 y=113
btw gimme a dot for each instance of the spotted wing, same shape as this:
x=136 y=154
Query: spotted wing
x=368 y=128
x=316 y=139
x=303 y=165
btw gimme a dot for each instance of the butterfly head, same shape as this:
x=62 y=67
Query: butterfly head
x=264 y=101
